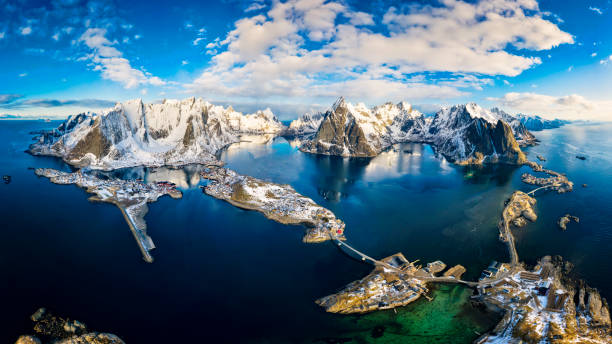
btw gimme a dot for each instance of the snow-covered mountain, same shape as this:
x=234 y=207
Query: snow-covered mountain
x=521 y=132
x=356 y=130
x=175 y=132
x=537 y=123
x=469 y=134
x=463 y=133
x=305 y=124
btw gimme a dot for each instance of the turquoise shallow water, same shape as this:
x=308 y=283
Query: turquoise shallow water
x=232 y=275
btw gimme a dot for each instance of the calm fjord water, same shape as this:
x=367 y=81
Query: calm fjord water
x=232 y=275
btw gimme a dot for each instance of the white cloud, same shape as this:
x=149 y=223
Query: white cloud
x=184 y=62
x=606 y=60
x=56 y=36
x=111 y=63
x=23 y=75
x=360 y=18
x=596 y=10
x=255 y=6
x=197 y=40
x=593 y=54
x=137 y=37
x=24 y=31
x=565 y=107
x=2 y=35
x=268 y=54
x=570 y=68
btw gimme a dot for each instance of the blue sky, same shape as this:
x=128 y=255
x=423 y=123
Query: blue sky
x=552 y=58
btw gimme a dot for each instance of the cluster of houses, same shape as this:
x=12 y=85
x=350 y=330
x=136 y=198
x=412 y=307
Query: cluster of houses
x=118 y=189
x=381 y=289
x=555 y=180
x=278 y=202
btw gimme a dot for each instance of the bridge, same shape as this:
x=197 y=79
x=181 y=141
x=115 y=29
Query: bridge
x=509 y=238
x=543 y=187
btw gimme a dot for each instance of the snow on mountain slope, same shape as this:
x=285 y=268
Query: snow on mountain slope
x=462 y=133
x=537 y=123
x=175 y=132
x=305 y=124
x=467 y=134
x=356 y=130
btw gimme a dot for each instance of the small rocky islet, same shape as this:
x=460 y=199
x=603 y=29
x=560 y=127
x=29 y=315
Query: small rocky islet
x=538 y=303
x=51 y=329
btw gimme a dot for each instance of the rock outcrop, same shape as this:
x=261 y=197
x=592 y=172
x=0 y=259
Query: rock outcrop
x=567 y=218
x=57 y=330
x=175 y=132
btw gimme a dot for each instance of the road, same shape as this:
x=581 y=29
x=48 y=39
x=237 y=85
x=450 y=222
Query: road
x=506 y=235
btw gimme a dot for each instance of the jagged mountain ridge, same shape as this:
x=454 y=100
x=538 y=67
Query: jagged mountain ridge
x=305 y=125
x=462 y=133
x=537 y=123
x=355 y=130
x=175 y=132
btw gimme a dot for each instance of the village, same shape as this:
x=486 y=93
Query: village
x=539 y=304
x=555 y=180
x=394 y=282
x=277 y=202
x=130 y=196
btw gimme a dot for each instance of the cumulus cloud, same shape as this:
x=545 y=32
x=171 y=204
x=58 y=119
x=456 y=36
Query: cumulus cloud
x=271 y=54
x=571 y=107
x=106 y=59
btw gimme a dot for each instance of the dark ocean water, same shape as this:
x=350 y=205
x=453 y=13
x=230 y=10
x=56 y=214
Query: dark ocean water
x=234 y=276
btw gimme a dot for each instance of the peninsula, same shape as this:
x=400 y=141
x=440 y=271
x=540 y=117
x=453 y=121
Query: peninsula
x=131 y=197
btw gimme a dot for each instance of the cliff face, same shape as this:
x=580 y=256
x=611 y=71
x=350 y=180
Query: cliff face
x=464 y=134
x=174 y=132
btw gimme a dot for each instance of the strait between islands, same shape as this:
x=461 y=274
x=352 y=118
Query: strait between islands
x=540 y=305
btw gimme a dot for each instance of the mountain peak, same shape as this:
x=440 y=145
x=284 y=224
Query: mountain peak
x=340 y=102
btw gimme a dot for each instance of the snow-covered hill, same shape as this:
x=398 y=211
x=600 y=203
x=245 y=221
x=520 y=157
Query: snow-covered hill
x=175 y=132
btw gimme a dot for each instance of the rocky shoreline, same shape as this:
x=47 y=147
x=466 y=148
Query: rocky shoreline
x=280 y=203
x=51 y=329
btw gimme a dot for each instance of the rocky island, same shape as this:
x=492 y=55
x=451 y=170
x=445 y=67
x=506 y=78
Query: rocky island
x=277 y=202
x=58 y=330
x=131 y=197
x=565 y=219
